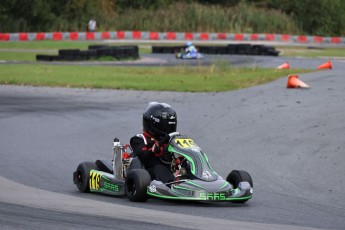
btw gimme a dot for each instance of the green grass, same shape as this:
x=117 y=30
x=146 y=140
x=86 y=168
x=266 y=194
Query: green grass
x=22 y=56
x=27 y=51
x=212 y=78
x=312 y=52
x=55 y=45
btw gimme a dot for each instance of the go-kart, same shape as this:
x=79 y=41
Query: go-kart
x=194 y=177
x=190 y=55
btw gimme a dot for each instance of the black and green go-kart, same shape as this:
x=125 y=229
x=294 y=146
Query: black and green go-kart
x=195 y=178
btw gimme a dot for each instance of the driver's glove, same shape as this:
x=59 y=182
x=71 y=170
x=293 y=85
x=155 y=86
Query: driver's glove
x=165 y=150
x=166 y=155
x=156 y=148
x=160 y=150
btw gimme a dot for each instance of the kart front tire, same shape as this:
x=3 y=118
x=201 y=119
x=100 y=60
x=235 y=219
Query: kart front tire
x=237 y=176
x=82 y=175
x=136 y=184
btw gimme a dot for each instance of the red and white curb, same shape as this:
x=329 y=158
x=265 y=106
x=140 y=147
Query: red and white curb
x=173 y=36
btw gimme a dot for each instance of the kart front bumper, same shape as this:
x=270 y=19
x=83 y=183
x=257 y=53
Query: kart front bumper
x=157 y=189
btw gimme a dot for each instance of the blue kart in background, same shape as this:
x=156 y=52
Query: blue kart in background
x=191 y=55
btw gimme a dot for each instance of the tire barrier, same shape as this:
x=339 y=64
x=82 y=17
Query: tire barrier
x=238 y=49
x=172 y=36
x=94 y=52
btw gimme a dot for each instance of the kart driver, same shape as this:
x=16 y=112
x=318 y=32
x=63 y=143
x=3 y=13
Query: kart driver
x=159 y=119
x=190 y=48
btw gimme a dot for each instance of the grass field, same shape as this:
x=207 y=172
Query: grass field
x=179 y=78
x=41 y=45
x=214 y=78
x=312 y=52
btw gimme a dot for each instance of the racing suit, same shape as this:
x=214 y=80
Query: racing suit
x=143 y=146
x=191 y=49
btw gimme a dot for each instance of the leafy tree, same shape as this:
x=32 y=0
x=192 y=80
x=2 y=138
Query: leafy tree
x=26 y=15
x=317 y=17
x=220 y=2
x=142 y=4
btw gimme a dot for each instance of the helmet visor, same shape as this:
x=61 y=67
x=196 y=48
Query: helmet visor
x=165 y=126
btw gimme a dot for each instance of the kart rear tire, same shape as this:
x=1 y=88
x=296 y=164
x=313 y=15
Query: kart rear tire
x=237 y=176
x=136 y=184
x=135 y=164
x=82 y=175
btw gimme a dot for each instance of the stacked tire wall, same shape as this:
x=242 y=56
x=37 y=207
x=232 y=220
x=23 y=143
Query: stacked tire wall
x=236 y=49
x=94 y=52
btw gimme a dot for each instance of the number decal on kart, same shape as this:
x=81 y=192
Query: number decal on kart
x=95 y=178
x=185 y=143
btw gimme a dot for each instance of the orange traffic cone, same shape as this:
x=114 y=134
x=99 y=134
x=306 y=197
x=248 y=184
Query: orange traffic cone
x=327 y=65
x=294 y=82
x=284 y=66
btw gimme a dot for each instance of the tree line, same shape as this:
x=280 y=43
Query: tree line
x=314 y=17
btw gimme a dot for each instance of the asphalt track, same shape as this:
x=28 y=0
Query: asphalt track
x=290 y=140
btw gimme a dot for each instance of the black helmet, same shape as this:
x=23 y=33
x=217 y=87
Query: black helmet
x=159 y=119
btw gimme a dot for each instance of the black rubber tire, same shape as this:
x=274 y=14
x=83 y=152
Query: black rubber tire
x=42 y=57
x=136 y=184
x=135 y=164
x=83 y=175
x=237 y=176
x=104 y=165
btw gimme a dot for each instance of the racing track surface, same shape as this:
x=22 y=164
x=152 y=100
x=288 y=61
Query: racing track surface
x=291 y=141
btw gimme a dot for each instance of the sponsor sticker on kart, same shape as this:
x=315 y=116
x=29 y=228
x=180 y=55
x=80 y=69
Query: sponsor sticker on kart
x=212 y=196
x=152 y=188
